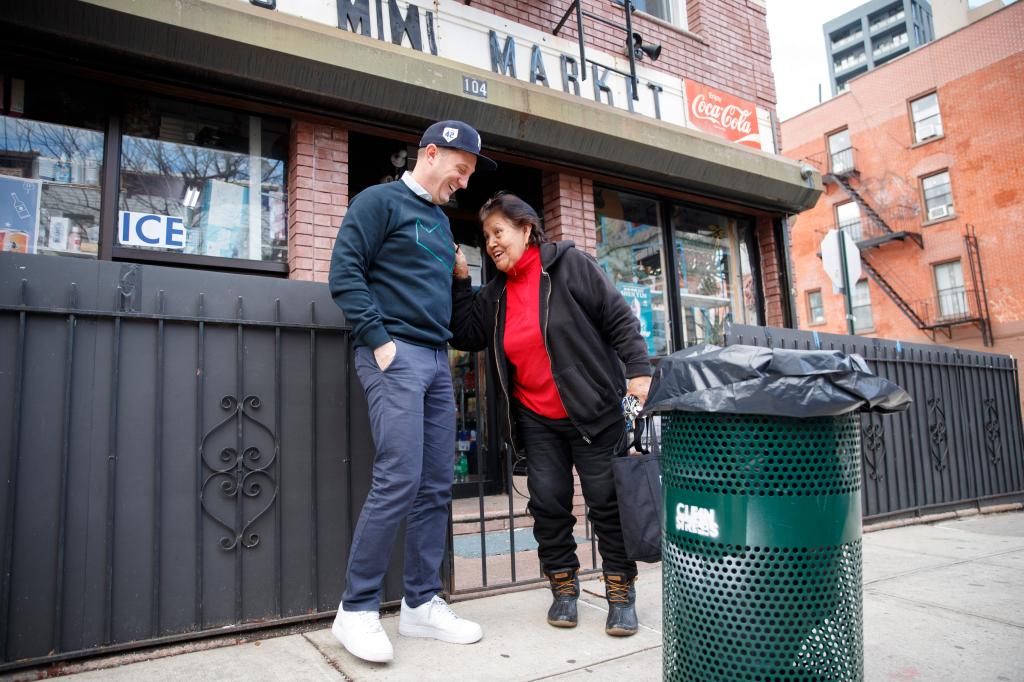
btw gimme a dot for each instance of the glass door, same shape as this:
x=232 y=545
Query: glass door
x=469 y=379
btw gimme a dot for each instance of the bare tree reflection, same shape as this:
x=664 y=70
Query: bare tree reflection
x=155 y=175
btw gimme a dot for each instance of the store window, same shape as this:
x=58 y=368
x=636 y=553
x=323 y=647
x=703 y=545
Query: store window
x=863 y=317
x=51 y=166
x=949 y=285
x=938 y=196
x=713 y=270
x=926 y=118
x=840 y=152
x=629 y=249
x=815 y=307
x=201 y=180
x=714 y=274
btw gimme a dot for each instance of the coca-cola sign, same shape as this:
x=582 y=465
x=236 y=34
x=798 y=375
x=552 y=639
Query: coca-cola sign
x=722 y=114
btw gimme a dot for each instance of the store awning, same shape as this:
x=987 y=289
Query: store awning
x=299 y=63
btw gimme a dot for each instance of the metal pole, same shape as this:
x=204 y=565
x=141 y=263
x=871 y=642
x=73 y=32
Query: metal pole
x=630 y=47
x=847 y=295
x=579 y=33
x=579 y=37
x=565 y=17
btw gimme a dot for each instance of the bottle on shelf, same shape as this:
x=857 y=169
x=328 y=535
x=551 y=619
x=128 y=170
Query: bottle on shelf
x=91 y=174
x=63 y=170
x=75 y=238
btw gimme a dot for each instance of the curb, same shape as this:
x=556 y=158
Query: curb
x=943 y=516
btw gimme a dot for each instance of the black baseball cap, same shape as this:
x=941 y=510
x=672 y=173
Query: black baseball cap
x=456 y=135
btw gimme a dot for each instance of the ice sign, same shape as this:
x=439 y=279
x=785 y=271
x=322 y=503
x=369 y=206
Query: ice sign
x=149 y=229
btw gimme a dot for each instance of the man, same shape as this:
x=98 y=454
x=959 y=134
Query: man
x=391 y=274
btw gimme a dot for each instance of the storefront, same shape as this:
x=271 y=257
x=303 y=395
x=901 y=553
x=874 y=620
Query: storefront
x=225 y=138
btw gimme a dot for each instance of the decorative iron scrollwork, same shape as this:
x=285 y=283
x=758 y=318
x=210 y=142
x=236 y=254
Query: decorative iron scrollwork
x=128 y=288
x=873 y=445
x=938 y=446
x=993 y=444
x=240 y=473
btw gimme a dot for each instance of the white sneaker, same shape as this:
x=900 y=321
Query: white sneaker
x=361 y=633
x=437 y=620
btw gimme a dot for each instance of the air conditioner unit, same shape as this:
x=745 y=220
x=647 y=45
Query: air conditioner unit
x=927 y=131
x=936 y=212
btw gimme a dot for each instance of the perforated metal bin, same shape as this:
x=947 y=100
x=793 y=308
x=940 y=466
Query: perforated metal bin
x=762 y=547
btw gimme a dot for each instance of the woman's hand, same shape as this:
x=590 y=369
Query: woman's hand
x=639 y=386
x=461 y=266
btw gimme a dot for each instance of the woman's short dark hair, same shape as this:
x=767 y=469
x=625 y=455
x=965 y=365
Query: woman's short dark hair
x=516 y=211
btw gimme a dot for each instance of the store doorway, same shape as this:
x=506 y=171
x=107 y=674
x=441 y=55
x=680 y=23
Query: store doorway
x=480 y=468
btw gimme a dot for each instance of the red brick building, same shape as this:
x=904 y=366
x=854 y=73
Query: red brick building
x=922 y=163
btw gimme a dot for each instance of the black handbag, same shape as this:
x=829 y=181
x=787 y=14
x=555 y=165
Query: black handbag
x=638 y=490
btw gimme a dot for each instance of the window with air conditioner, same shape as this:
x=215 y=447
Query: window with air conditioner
x=949 y=286
x=938 y=196
x=926 y=118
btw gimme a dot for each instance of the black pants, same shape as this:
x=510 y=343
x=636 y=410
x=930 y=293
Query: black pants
x=552 y=447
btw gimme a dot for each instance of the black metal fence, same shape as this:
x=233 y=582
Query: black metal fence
x=181 y=451
x=960 y=442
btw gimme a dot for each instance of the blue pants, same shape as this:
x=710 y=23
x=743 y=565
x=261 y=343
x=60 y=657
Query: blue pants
x=412 y=417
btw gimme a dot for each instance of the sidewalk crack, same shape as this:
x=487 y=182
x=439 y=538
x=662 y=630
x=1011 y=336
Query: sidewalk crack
x=933 y=605
x=330 y=661
x=594 y=664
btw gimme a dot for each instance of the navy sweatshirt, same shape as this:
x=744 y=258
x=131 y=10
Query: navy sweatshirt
x=391 y=270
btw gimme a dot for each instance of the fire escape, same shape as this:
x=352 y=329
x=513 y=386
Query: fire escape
x=934 y=315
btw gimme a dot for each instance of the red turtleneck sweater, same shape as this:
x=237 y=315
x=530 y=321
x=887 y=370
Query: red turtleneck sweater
x=532 y=383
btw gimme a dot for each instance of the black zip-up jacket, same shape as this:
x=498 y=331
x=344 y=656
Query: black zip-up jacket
x=592 y=336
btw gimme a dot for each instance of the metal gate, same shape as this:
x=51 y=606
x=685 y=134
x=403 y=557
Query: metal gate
x=182 y=451
x=960 y=442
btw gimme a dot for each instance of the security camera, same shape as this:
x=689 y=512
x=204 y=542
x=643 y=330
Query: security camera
x=806 y=171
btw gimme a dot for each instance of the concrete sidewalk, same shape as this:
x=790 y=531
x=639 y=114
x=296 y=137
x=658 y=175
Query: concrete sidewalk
x=943 y=601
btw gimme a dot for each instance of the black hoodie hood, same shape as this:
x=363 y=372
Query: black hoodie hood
x=591 y=334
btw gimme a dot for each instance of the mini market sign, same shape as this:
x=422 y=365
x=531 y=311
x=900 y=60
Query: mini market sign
x=455 y=31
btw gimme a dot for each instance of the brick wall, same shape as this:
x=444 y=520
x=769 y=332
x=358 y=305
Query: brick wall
x=317 y=197
x=978 y=73
x=569 y=209
x=771 y=285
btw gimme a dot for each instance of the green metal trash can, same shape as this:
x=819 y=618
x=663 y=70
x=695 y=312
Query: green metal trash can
x=762 y=547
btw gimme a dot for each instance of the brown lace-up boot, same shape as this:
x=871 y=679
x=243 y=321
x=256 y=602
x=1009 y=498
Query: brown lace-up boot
x=565 y=588
x=621 y=596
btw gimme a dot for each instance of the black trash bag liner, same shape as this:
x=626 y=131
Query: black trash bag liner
x=772 y=381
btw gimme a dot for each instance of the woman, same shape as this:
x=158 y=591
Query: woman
x=558 y=329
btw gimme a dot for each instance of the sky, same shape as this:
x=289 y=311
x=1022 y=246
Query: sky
x=798 y=50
